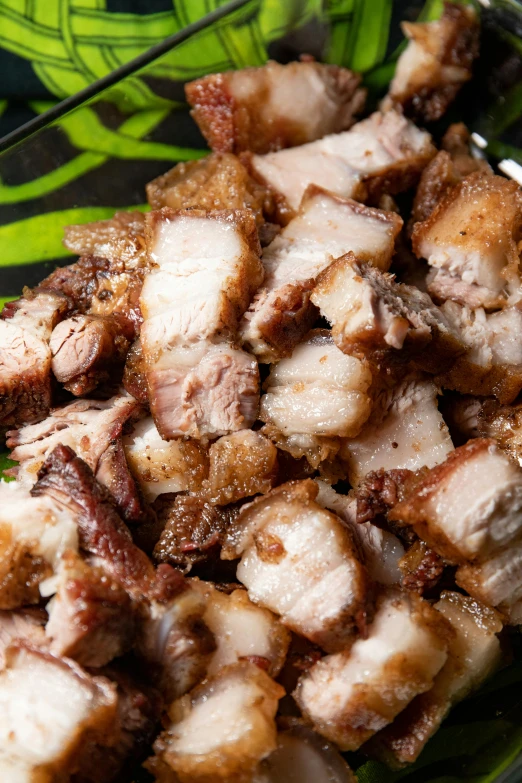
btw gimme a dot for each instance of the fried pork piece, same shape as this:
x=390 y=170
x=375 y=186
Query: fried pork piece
x=383 y=154
x=25 y=357
x=299 y=560
x=469 y=506
x=470 y=239
x=52 y=712
x=134 y=380
x=222 y=729
x=497 y=581
x=473 y=418
x=316 y=394
x=218 y=181
x=24 y=625
x=88 y=350
x=242 y=631
x=92 y=428
x=241 y=464
x=473 y=655
x=405 y=430
x=120 y=237
x=421 y=568
x=353 y=694
x=326 y=227
x=380 y=550
x=374 y=316
x=207 y=268
x=492 y=364
x=35 y=534
x=275 y=106
x=161 y=466
x=90 y=616
x=435 y=64
x=192 y=533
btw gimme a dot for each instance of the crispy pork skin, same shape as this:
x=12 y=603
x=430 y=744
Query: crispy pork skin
x=217 y=181
x=161 y=466
x=242 y=630
x=405 y=430
x=206 y=269
x=473 y=655
x=241 y=465
x=373 y=316
x=119 y=237
x=90 y=616
x=92 y=428
x=470 y=239
x=326 y=227
x=299 y=560
x=353 y=694
x=384 y=153
x=222 y=729
x=25 y=356
x=436 y=63
x=88 y=350
x=469 y=506
x=51 y=713
x=258 y=109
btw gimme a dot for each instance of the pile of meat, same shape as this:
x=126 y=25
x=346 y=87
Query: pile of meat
x=241 y=537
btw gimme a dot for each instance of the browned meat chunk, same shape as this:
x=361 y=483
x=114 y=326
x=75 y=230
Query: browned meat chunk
x=218 y=181
x=120 y=237
x=134 y=379
x=241 y=464
x=25 y=625
x=25 y=357
x=88 y=350
x=435 y=64
x=421 y=568
x=275 y=106
x=489 y=419
x=497 y=581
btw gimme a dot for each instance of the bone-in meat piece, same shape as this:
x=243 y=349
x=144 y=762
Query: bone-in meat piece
x=383 y=154
x=473 y=655
x=299 y=560
x=353 y=694
x=468 y=507
x=240 y=465
x=316 y=394
x=206 y=269
x=161 y=466
x=470 y=239
x=373 y=316
x=51 y=714
x=435 y=64
x=222 y=729
x=88 y=350
x=275 y=106
x=25 y=357
x=217 y=181
x=405 y=430
x=326 y=227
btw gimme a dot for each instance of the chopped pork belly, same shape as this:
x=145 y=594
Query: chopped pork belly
x=25 y=357
x=90 y=616
x=405 y=430
x=473 y=655
x=25 y=625
x=242 y=631
x=241 y=464
x=51 y=714
x=325 y=228
x=435 y=64
x=88 y=350
x=299 y=560
x=384 y=153
x=161 y=466
x=372 y=315
x=316 y=394
x=206 y=269
x=492 y=364
x=222 y=729
x=121 y=237
x=218 y=181
x=470 y=240
x=353 y=694
x=489 y=419
x=275 y=106
x=469 y=506
x=35 y=534
x=134 y=381
x=92 y=428
x=497 y=581
x=380 y=550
